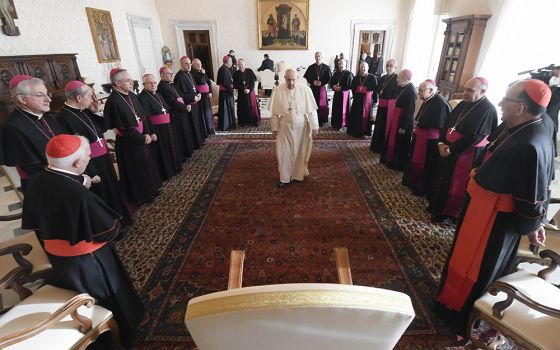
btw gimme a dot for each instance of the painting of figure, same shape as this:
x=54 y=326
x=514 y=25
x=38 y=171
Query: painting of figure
x=283 y=25
x=103 y=34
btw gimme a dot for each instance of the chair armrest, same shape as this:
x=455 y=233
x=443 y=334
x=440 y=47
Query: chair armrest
x=555 y=261
x=554 y=200
x=12 y=217
x=69 y=308
x=18 y=250
x=514 y=294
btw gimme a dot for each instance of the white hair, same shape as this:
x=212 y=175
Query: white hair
x=65 y=163
x=24 y=87
x=81 y=91
x=118 y=76
x=290 y=69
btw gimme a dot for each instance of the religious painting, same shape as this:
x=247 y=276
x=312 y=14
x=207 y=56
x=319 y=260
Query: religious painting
x=283 y=25
x=103 y=34
x=8 y=14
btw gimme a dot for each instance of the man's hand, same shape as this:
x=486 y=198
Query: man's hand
x=87 y=183
x=197 y=98
x=147 y=139
x=317 y=83
x=96 y=179
x=95 y=104
x=209 y=95
x=336 y=88
x=402 y=131
x=444 y=150
x=246 y=91
x=314 y=133
x=189 y=108
x=537 y=237
x=153 y=137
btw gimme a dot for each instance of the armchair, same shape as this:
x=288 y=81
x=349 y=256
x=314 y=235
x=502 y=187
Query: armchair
x=308 y=316
x=523 y=306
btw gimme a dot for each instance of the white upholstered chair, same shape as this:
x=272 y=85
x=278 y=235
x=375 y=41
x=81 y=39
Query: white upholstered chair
x=523 y=306
x=267 y=79
x=311 y=316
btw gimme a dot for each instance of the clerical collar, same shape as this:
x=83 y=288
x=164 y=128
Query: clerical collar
x=75 y=108
x=435 y=93
x=39 y=116
x=121 y=92
x=62 y=170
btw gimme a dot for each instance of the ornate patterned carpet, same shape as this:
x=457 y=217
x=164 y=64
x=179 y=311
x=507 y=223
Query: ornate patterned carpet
x=225 y=198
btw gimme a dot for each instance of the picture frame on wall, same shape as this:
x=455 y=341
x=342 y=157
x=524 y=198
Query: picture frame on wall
x=283 y=25
x=103 y=35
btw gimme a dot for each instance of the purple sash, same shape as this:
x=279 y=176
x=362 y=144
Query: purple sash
x=139 y=128
x=254 y=109
x=390 y=105
x=98 y=150
x=323 y=113
x=460 y=177
x=203 y=89
x=159 y=119
x=345 y=95
x=418 y=161
x=224 y=88
x=22 y=174
x=180 y=99
x=393 y=133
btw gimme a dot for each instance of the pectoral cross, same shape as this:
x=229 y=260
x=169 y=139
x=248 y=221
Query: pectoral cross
x=451 y=131
x=163 y=110
x=137 y=119
x=100 y=141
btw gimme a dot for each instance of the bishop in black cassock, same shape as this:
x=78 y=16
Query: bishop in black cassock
x=179 y=116
x=204 y=88
x=463 y=138
x=364 y=90
x=77 y=229
x=508 y=194
x=388 y=90
x=186 y=87
x=423 y=159
x=158 y=113
x=244 y=80
x=341 y=83
x=77 y=117
x=318 y=76
x=28 y=128
x=139 y=177
x=226 y=112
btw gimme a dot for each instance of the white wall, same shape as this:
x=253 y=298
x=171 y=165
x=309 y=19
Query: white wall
x=236 y=26
x=61 y=26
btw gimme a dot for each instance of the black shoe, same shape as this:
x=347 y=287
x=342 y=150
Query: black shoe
x=294 y=180
x=282 y=184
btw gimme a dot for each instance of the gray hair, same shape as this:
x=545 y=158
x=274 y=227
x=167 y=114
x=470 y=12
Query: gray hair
x=118 y=76
x=24 y=87
x=66 y=162
x=81 y=91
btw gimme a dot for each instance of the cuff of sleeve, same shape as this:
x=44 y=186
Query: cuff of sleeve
x=526 y=224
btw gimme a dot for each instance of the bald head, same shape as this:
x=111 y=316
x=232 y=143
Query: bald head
x=290 y=76
x=197 y=64
x=391 y=66
x=474 y=90
x=318 y=57
x=426 y=90
x=241 y=64
x=150 y=82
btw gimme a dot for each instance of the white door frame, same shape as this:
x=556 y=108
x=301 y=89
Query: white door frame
x=357 y=26
x=143 y=22
x=210 y=26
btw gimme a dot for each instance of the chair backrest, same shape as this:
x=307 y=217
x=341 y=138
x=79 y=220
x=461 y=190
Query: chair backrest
x=267 y=79
x=299 y=316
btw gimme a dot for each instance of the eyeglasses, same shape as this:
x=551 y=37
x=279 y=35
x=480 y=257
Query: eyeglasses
x=126 y=81
x=507 y=99
x=39 y=95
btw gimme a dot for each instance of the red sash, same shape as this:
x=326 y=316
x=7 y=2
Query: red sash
x=390 y=105
x=393 y=127
x=98 y=150
x=61 y=247
x=418 y=161
x=139 y=128
x=460 y=177
x=159 y=119
x=203 y=89
x=468 y=251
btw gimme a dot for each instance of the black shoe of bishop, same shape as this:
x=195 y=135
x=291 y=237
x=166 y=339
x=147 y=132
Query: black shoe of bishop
x=282 y=184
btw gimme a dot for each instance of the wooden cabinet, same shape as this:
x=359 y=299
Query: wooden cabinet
x=459 y=55
x=55 y=70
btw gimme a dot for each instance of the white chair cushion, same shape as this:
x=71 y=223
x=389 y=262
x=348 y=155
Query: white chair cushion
x=535 y=327
x=37 y=256
x=299 y=316
x=39 y=307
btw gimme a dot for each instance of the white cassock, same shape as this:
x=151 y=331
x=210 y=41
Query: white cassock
x=294 y=117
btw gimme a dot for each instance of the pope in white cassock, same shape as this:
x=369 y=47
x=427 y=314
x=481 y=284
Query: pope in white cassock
x=294 y=123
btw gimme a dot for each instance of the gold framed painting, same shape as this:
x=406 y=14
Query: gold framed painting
x=103 y=35
x=283 y=25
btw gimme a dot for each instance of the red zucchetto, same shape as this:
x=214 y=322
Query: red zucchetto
x=62 y=146
x=16 y=79
x=73 y=85
x=538 y=91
